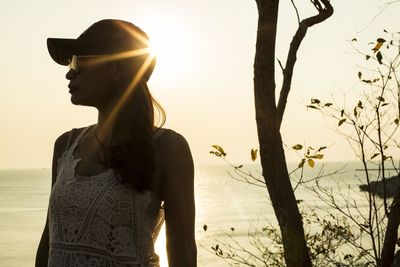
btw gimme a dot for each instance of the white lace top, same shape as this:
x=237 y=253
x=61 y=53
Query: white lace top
x=97 y=221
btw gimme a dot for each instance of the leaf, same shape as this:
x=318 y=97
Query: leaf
x=359 y=75
x=311 y=106
x=374 y=155
x=354 y=39
x=367 y=57
x=380 y=99
x=298 y=201
x=328 y=104
x=341 y=113
x=253 y=153
x=205 y=227
x=301 y=164
x=379 y=57
x=216 y=153
x=315 y=101
x=220 y=150
x=386 y=157
x=311 y=163
x=396 y=121
x=297 y=147
x=341 y=121
x=378 y=45
x=359 y=104
x=381 y=40
x=317 y=156
x=385 y=104
x=232 y=229
x=355 y=112
x=321 y=148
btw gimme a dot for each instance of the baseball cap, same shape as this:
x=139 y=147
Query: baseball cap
x=105 y=37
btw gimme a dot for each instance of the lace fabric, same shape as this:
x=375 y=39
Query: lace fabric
x=98 y=221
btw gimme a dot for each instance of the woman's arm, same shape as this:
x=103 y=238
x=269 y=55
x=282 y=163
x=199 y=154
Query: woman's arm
x=42 y=253
x=177 y=174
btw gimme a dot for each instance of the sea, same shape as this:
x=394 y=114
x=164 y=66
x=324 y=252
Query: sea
x=225 y=205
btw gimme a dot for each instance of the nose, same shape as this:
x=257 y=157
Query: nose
x=71 y=74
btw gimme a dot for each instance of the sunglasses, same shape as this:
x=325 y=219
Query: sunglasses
x=76 y=62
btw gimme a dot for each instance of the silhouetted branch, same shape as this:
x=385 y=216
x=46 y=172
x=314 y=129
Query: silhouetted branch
x=297 y=11
x=379 y=13
x=325 y=10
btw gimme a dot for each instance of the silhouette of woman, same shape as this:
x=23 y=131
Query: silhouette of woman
x=114 y=182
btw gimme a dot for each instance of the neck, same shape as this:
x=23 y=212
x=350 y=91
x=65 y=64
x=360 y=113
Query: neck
x=111 y=126
x=104 y=125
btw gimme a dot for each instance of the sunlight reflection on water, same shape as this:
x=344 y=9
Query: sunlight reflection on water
x=221 y=203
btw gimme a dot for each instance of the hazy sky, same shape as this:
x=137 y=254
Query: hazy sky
x=204 y=73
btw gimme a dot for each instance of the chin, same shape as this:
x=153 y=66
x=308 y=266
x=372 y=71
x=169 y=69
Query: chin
x=75 y=100
x=81 y=102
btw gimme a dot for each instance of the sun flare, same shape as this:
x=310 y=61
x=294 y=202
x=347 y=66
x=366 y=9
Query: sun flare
x=172 y=46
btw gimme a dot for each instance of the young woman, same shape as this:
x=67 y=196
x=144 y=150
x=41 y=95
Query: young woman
x=114 y=182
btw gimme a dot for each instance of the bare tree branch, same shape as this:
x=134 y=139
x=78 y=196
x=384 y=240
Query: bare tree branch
x=297 y=11
x=325 y=10
x=379 y=13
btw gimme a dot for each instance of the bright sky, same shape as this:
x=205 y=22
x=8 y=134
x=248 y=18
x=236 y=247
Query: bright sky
x=203 y=78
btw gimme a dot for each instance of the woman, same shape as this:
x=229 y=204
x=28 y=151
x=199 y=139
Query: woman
x=109 y=180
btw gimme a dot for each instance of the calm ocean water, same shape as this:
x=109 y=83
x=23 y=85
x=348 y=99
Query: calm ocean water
x=221 y=203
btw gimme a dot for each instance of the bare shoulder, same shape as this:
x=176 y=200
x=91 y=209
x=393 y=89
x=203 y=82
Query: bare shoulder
x=171 y=144
x=170 y=139
x=173 y=152
x=62 y=141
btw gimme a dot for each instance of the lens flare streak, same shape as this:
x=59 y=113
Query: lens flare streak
x=129 y=90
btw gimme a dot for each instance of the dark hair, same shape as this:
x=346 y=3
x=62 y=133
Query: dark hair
x=134 y=159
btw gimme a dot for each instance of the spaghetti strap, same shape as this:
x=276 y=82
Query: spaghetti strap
x=72 y=145
x=69 y=149
x=70 y=138
x=78 y=138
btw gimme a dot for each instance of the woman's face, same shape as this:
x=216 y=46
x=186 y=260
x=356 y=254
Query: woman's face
x=92 y=83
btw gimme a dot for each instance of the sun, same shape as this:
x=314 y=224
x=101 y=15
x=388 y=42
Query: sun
x=172 y=46
x=167 y=45
x=154 y=48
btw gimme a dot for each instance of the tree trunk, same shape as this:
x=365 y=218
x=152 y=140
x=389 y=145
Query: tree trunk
x=391 y=236
x=271 y=149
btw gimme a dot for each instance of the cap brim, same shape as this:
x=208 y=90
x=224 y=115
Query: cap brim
x=61 y=50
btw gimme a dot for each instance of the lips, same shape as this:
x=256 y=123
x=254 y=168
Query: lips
x=72 y=88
